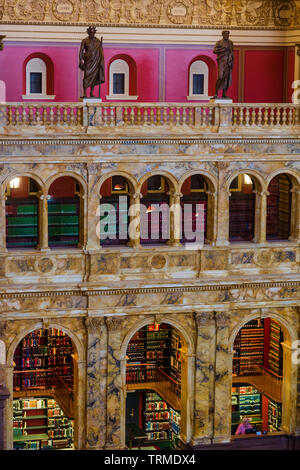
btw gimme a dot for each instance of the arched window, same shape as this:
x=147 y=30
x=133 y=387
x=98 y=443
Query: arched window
x=198 y=81
x=119 y=81
x=37 y=80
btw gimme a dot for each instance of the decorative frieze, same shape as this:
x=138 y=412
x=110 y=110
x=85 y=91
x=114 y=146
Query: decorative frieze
x=266 y=14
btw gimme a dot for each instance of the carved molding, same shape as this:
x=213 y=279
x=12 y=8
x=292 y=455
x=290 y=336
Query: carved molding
x=151 y=141
x=95 y=324
x=250 y=14
x=151 y=290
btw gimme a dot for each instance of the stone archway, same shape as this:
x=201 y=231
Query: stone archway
x=79 y=365
x=187 y=377
x=289 y=382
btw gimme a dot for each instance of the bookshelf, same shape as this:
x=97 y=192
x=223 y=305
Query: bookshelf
x=21 y=222
x=39 y=423
x=63 y=221
x=248 y=347
x=275 y=350
x=274 y=415
x=241 y=216
x=39 y=356
x=246 y=402
x=161 y=421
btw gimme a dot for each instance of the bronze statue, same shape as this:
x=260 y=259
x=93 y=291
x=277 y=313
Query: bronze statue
x=91 y=61
x=1 y=43
x=225 y=58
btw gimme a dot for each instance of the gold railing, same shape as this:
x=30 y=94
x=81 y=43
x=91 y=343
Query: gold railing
x=264 y=380
x=40 y=381
x=149 y=376
x=191 y=118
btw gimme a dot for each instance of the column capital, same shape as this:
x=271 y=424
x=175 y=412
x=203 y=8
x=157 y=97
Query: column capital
x=44 y=197
x=222 y=319
x=175 y=194
x=94 y=324
x=136 y=195
x=114 y=323
x=204 y=318
x=261 y=193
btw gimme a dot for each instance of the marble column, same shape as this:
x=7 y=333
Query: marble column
x=260 y=217
x=43 y=222
x=7 y=374
x=175 y=218
x=96 y=383
x=295 y=214
x=211 y=218
x=115 y=403
x=290 y=418
x=83 y=219
x=92 y=214
x=222 y=390
x=2 y=224
x=80 y=402
x=202 y=426
x=134 y=212
x=222 y=219
x=4 y=395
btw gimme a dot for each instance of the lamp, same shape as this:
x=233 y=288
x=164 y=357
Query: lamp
x=14 y=183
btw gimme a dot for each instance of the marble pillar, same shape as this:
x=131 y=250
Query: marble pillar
x=93 y=211
x=211 y=217
x=115 y=404
x=96 y=383
x=43 y=222
x=4 y=395
x=134 y=213
x=204 y=370
x=295 y=214
x=222 y=388
x=175 y=218
x=222 y=219
x=260 y=221
x=2 y=223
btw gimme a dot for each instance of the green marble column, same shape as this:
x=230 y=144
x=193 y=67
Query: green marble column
x=202 y=429
x=115 y=402
x=96 y=383
x=222 y=391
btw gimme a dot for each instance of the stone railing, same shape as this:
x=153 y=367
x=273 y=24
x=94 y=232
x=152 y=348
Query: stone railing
x=147 y=118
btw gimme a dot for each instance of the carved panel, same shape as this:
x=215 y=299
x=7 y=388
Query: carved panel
x=201 y=13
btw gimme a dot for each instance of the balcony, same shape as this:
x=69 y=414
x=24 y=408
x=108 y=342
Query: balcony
x=148 y=119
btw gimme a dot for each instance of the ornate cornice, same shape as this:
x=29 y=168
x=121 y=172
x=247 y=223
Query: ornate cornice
x=150 y=290
x=150 y=141
x=206 y=14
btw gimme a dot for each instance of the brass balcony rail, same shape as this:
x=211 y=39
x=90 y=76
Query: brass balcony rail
x=190 y=118
x=264 y=380
x=37 y=381
x=151 y=377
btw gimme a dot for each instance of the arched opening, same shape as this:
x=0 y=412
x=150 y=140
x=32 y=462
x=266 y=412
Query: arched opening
x=194 y=207
x=155 y=211
x=44 y=391
x=122 y=78
x=156 y=384
x=202 y=74
x=279 y=208
x=260 y=377
x=65 y=213
x=242 y=208
x=38 y=77
x=114 y=206
x=22 y=213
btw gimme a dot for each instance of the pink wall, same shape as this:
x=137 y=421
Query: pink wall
x=147 y=64
x=263 y=76
x=162 y=71
x=65 y=62
x=177 y=73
